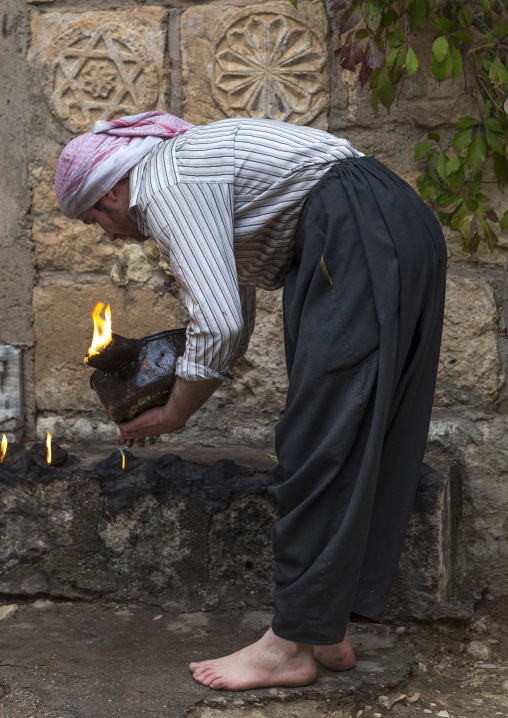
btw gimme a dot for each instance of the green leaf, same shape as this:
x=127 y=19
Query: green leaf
x=440 y=48
x=417 y=13
x=466 y=122
x=423 y=186
x=486 y=6
x=457 y=178
x=488 y=234
x=498 y=72
x=441 y=70
x=469 y=226
x=294 y=2
x=461 y=139
x=460 y=36
x=374 y=99
x=390 y=60
x=458 y=217
x=476 y=154
x=493 y=124
x=396 y=38
x=503 y=222
x=433 y=192
x=411 y=62
x=433 y=136
x=389 y=18
x=373 y=14
x=443 y=24
x=500 y=169
x=456 y=63
x=475 y=188
x=420 y=149
x=500 y=30
x=386 y=90
x=465 y=17
x=494 y=142
x=453 y=165
x=441 y=165
x=451 y=205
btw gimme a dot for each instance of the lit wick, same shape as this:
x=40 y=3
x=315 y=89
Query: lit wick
x=102 y=329
x=123 y=459
x=48 y=445
x=3 y=449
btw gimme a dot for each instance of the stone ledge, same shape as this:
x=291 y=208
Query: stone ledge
x=187 y=535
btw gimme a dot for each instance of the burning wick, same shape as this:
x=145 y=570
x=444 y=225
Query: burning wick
x=101 y=329
x=3 y=449
x=48 y=445
x=123 y=459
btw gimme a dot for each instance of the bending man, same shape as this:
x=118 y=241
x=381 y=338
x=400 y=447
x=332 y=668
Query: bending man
x=245 y=203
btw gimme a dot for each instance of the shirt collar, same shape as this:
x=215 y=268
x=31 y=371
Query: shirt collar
x=135 y=210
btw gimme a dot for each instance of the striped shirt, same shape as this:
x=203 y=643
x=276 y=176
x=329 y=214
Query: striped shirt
x=222 y=201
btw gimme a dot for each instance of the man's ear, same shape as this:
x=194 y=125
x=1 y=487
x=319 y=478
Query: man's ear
x=116 y=193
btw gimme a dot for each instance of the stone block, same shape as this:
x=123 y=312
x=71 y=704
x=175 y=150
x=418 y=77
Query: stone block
x=245 y=411
x=132 y=265
x=189 y=535
x=100 y=65
x=470 y=369
x=430 y=576
x=480 y=447
x=61 y=244
x=64 y=329
x=263 y=60
x=11 y=391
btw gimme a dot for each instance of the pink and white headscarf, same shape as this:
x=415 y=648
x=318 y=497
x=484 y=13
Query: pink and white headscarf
x=91 y=164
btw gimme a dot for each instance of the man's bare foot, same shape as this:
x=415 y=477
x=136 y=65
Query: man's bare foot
x=270 y=662
x=337 y=656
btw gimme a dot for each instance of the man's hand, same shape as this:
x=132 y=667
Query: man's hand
x=185 y=398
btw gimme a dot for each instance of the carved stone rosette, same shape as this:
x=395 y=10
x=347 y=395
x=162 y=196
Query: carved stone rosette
x=99 y=73
x=269 y=65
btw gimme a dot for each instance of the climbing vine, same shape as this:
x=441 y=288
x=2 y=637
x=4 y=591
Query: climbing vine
x=470 y=45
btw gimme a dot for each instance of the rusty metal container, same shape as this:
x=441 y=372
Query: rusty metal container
x=133 y=375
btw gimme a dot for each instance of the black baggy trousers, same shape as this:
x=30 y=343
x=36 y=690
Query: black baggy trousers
x=363 y=315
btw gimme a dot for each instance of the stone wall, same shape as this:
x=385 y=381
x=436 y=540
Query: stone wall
x=67 y=63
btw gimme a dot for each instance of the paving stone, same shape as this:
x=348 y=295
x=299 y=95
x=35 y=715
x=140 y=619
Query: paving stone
x=88 y=660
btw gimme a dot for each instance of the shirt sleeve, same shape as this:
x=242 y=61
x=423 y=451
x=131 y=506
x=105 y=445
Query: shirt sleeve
x=248 y=301
x=193 y=226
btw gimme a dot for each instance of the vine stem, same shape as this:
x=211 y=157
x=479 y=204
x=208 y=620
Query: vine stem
x=488 y=93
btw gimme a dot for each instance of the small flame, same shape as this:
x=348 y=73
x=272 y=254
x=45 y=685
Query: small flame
x=48 y=445
x=123 y=459
x=102 y=329
x=3 y=449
